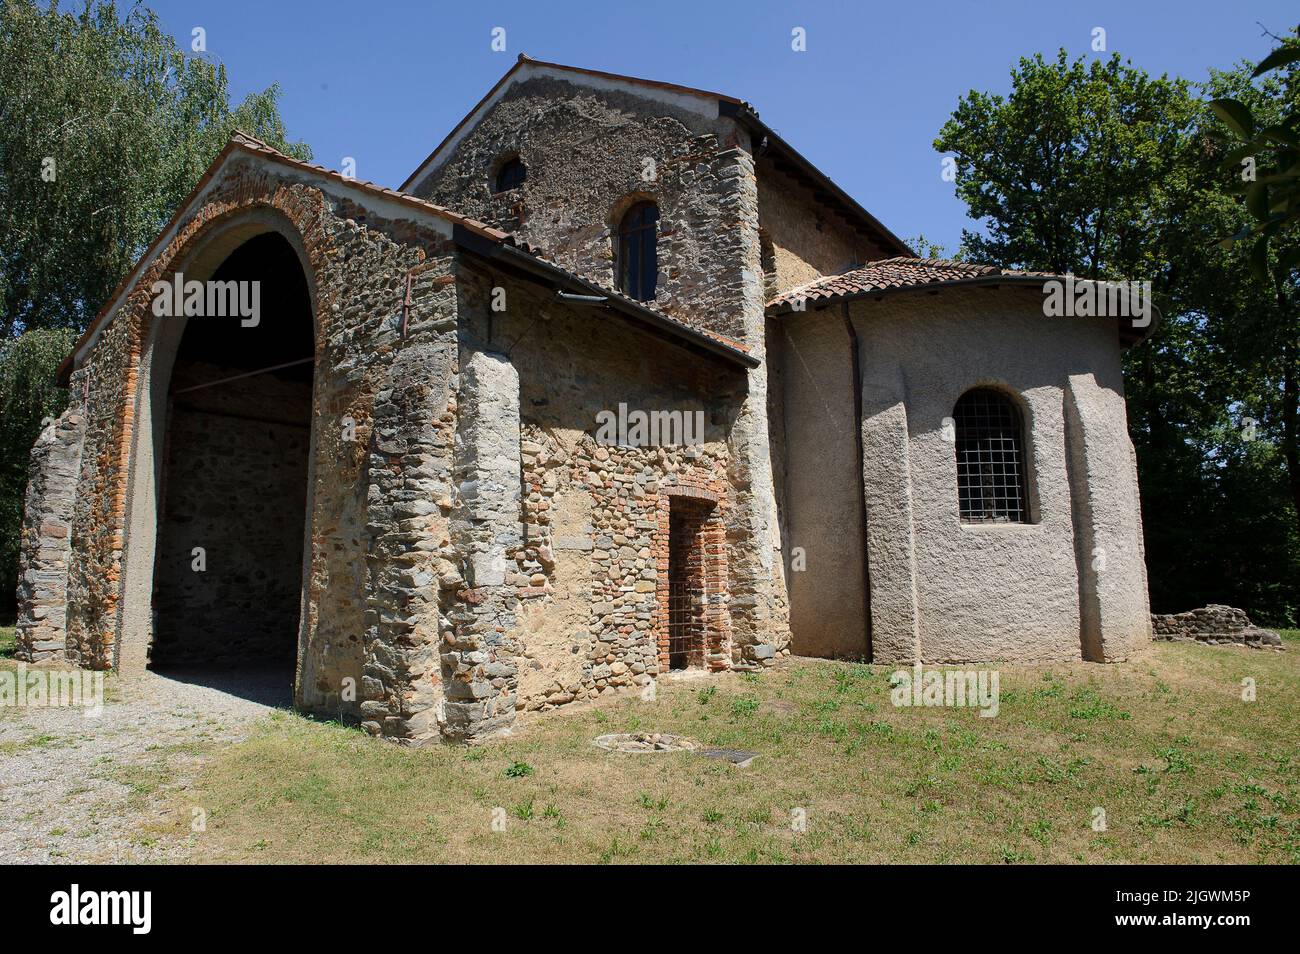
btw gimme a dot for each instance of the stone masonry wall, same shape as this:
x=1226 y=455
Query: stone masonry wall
x=587 y=150
x=805 y=240
x=383 y=419
x=395 y=606
x=590 y=154
x=1213 y=624
x=47 y=538
x=581 y=612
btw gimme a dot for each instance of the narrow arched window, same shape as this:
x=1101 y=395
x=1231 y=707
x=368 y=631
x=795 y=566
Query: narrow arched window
x=990 y=458
x=638 y=251
x=511 y=175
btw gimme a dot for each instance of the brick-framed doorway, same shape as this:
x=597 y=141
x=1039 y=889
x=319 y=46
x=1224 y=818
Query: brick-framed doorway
x=692 y=623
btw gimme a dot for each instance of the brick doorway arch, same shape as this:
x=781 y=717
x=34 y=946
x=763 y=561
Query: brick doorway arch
x=157 y=555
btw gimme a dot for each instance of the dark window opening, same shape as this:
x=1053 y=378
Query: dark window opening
x=511 y=175
x=990 y=459
x=638 y=251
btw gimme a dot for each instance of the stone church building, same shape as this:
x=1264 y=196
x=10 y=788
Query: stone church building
x=616 y=384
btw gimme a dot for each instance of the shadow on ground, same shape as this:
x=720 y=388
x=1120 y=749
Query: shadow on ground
x=267 y=685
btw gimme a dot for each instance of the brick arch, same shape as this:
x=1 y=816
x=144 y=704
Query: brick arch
x=238 y=209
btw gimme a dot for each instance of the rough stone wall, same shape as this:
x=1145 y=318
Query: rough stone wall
x=947 y=591
x=579 y=613
x=587 y=148
x=383 y=423
x=46 y=538
x=480 y=654
x=389 y=372
x=98 y=521
x=590 y=154
x=390 y=605
x=761 y=629
x=806 y=240
x=1213 y=624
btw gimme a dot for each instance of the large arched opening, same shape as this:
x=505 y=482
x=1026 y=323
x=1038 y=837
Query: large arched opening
x=220 y=496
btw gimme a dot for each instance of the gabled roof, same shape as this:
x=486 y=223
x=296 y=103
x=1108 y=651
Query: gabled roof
x=877 y=279
x=468 y=233
x=766 y=141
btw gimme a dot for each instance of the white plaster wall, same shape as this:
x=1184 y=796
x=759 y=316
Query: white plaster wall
x=1009 y=591
x=823 y=512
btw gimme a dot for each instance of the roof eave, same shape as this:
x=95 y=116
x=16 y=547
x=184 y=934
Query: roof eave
x=1133 y=336
x=744 y=113
x=647 y=318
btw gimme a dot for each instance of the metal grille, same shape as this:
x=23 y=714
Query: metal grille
x=685 y=591
x=685 y=628
x=990 y=459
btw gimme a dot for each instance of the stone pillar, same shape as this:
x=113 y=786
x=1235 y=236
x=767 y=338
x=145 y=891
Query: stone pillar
x=409 y=554
x=480 y=651
x=759 y=610
x=47 y=539
x=1114 y=611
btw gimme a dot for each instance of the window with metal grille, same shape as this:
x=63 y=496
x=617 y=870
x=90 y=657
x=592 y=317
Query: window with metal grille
x=638 y=251
x=511 y=175
x=990 y=458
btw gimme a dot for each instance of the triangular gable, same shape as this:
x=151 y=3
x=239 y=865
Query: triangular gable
x=705 y=103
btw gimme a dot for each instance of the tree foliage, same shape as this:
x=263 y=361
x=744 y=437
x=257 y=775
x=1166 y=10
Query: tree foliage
x=1065 y=170
x=105 y=125
x=1266 y=153
x=28 y=396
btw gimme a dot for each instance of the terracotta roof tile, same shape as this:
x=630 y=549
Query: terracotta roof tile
x=891 y=273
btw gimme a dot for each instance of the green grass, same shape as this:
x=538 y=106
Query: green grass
x=8 y=640
x=1184 y=770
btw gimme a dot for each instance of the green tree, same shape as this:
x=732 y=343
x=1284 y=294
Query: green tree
x=28 y=396
x=1266 y=154
x=1263 y=107
x=105 y=125
x=1062 y=169
x=1098 y=169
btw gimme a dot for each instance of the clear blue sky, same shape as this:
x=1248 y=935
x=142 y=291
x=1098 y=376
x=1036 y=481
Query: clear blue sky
x=385 y=81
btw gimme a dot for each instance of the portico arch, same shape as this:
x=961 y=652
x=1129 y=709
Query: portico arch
x=215 y=241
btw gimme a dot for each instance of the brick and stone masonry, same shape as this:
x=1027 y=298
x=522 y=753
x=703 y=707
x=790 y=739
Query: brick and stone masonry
x=470 y=548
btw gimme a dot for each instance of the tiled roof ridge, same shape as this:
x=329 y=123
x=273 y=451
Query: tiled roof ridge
x=897 y=272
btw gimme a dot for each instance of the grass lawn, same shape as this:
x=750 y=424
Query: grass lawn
x=1185 y=770
x=7 y=639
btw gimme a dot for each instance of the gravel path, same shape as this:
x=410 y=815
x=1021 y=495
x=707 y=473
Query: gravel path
x=79 y=789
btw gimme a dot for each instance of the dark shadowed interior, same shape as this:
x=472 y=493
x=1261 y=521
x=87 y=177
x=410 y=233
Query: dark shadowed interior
x=233 y=498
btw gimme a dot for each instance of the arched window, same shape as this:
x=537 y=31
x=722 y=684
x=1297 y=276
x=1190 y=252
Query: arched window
x=638 y=251
x=511 y=175
x=990 y=458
